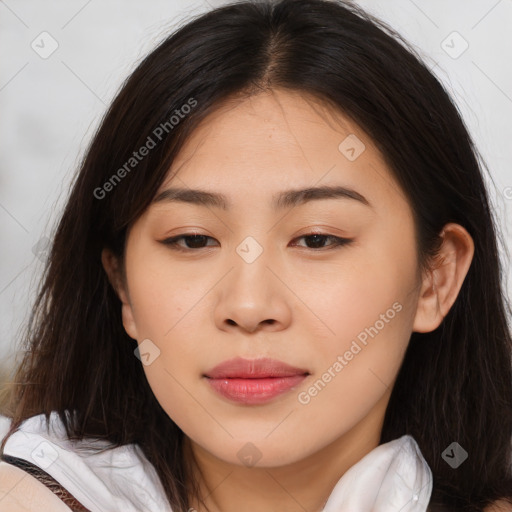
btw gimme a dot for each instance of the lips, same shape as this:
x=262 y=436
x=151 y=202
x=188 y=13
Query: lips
x=240 y=368
x=254 y=381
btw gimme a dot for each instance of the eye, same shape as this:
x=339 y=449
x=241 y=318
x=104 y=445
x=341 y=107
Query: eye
x=194 y=241
x=317 y=239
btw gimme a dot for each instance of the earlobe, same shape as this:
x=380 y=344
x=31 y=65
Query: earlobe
x=111 y=265
x=442 y=283
x=129 y=321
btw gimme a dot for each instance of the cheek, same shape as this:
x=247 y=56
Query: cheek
x=166 y=306
x=373 y=293
x=366 y=306
x=356 y=367
x=163 y=296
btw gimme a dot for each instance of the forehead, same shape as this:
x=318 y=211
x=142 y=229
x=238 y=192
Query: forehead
x=279 y=140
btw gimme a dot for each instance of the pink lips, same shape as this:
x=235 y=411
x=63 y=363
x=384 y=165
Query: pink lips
x=254 y=381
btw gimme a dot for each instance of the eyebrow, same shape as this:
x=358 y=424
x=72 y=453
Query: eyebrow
x=284 y=199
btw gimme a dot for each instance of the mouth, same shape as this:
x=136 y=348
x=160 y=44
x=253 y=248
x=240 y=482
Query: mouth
x=254 y=381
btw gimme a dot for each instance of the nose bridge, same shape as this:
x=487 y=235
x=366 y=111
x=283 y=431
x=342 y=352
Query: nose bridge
x=251 y=258
x=250 y=249
x=251 y=295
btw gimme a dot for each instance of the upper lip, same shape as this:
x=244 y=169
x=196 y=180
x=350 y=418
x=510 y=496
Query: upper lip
x=253 y=369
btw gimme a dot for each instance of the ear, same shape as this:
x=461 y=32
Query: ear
x=112 y=267
x=443 y=281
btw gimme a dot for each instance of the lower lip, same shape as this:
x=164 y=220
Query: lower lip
x=255 y=391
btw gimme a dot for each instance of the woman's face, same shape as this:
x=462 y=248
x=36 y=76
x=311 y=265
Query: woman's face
x=258 y=283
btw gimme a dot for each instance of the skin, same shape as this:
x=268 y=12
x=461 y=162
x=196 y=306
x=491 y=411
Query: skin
x=296 y=303
x=21 y=492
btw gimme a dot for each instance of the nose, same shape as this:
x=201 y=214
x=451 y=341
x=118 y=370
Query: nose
x=253 y=296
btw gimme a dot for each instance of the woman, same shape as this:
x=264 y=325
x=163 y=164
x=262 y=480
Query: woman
x=275 y=285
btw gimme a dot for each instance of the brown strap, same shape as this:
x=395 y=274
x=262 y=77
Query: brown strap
x=47 y=480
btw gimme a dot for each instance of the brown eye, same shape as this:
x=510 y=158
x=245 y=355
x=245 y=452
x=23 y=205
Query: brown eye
x=317 y=240
x=192 y=241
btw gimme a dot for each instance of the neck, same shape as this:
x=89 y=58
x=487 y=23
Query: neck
x=302 y=485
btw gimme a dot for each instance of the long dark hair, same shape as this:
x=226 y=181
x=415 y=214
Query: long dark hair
x=455 y=384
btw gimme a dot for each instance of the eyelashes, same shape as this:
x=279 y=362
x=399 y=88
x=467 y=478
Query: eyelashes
x=197 y=242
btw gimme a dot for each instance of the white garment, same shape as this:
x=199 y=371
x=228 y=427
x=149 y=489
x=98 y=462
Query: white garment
x=394 y=476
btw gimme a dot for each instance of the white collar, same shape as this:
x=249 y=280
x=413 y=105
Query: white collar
x=394 y=476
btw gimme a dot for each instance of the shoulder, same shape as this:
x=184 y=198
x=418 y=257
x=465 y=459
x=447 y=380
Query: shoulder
x=98 y=474
x=499 y=506
x=21 y=492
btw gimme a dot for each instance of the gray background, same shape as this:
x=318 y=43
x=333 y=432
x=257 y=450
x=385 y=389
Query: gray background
x=51 y=106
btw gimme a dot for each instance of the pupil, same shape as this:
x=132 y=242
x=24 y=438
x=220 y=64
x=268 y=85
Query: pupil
x=318 y=238
x=195 y=239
